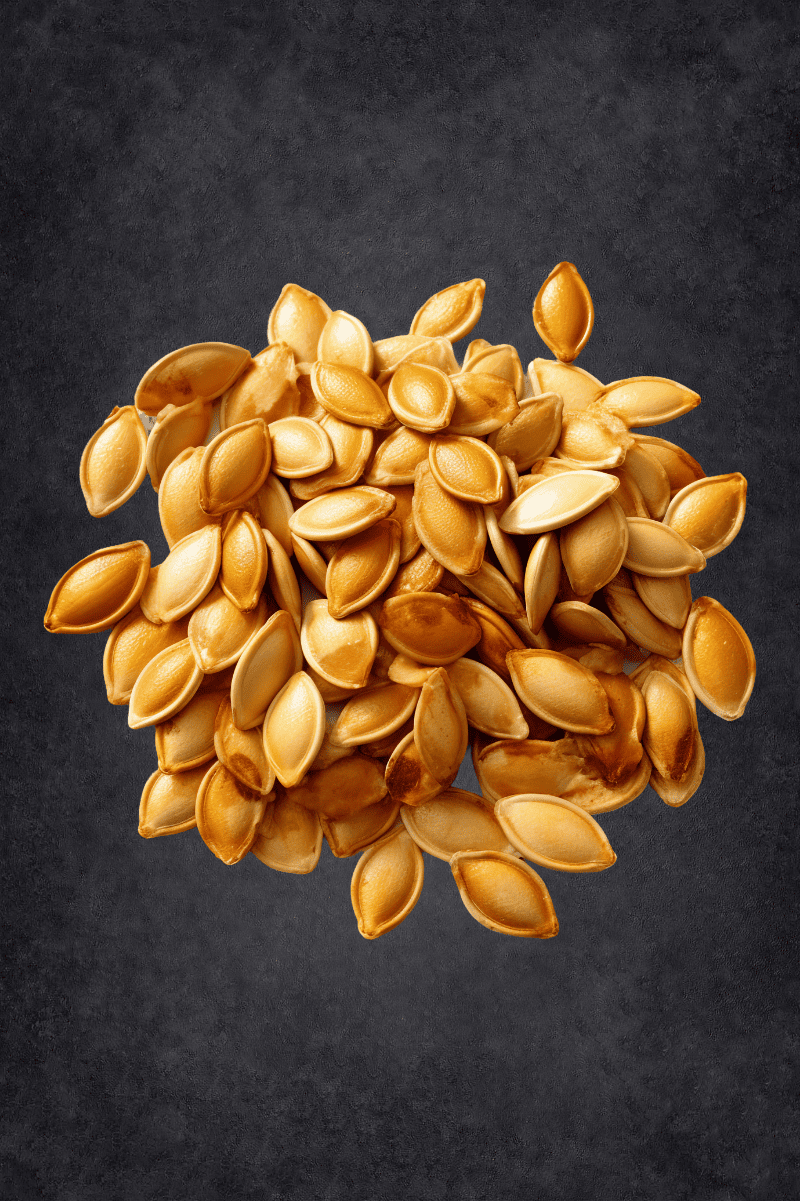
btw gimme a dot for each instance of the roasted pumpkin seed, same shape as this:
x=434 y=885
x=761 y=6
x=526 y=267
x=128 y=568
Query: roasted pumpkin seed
x=504 y=894
x=113 y=463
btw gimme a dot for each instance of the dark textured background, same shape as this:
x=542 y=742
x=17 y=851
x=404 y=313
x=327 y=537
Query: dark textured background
x=177 y=1029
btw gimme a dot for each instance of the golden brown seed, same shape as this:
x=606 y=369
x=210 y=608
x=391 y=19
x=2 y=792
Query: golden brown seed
x=362 y=568
x=504 y=894
x=431 y=352
x=505 y=548
x=453 y=531
x=407 y=778
x=489 y=702
x=593 y=439
x=650 y=477
x=628 y=496
x=199 y=372
x=428 y=627
x=267 y=388
x=374 y=714
x=219 y=631
x=177 y=428
x=718 y=659
x=228 y=814
x=352 y=446
x=596 y=658
x=164 y=686
x=680 y=467
x=669 y=598
x=187 y=739
x=97 y=592
x=560 y=690
x=455 y=820
x=310 y=562
x=557 y=501
x=647 y=400
x=634 y=617
x=554 y=833
x=576 y=387
x=403 y=670
x=281 y=580
x=563 y=313
x=386 y=883
x=501 y=360
x=533 y=434
x=300 y=447
x=671 y=726
x=341 y=650
x=244 y=561
x=294 y=728
x=113 y=462
x=268 y=660
x=542 y=575
x=298 y=318
x=497 y=638
x=390 y=352
x=241 y=751
x=179 y=497
x=342 y=513
x=440 y=727
x=396 y=458
x=345 y=341
x=349 y=835
x=659 y=663
x=467 y=468
x=709 y=512
x=342 y=789
x=492 y=587
x=483 y=403
x=421 y=396
x=350 y=395
x=618 y=754
x=579 y=622
x=188 y=573
x=451 y=313
x=168 y=802
x=234 y=466
x=402 y=513
x=130 y=646
x=655 y=549
x=594 y=547
x=275 y=509
x=289 y=838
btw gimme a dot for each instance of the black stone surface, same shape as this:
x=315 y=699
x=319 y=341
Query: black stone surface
x=176 y=1029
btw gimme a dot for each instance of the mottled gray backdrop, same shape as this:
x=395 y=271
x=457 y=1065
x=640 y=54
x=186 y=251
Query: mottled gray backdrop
x=178 y=1029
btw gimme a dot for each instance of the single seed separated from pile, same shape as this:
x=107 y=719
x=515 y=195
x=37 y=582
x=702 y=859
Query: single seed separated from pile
x=489 y=549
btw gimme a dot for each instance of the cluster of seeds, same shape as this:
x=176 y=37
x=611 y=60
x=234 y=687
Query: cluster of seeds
x=383 y=555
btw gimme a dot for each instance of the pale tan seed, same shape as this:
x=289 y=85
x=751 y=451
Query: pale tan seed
x=97 y=592
x=130 y=646
x=554 y=833
x=467 y=468
x=289 y=838
x=168 y=802
x=577 y=621
x=310 y=562
x=492 y=587
x=656 y=549
x=576 y=387
x=187 y=739
x=350 y=395
x=113 y=463
x=298 y=318
x=397 y=457
x=490 y=705
x=281 y=580
x=543 y=469
x=241 y=751
x=455 y=820
x=718 y=659
x=275 y=509
x=219 y=630
x=407 y=778
x=542 y=575
x=421 y=396
x=177 y=428
x=483 y=403
x=533 y=434
x=342 y=650
x=563 y=313
x=647 y=400
x=593 y=439
x=345 y=341
x=352 y=447
x=501 y=360
x=669 y=734
x=268 y=660
x=228 y=814
x=362 y=568
x=440 y=727
x=679 y=465
x=386 y=883
x=294 y=728
x=594 y=547
x=504 y=894
x=453 y=531
x=555 y=502
x=348 y=835
x=343 y=789
x=430 y=628
x=234 y=466
x=676 y=793
x=709 y=512
x=669 y=598
x=267 y=388
x=505 y=548
x=451 y=313
x=300 y=448
x=560 y=690
x=342 y=513
x=164 y=686
x=202 y=371
x=638 y=622
x=374 y=713
x=244 y=561
x=179 y=497
x=650 y=477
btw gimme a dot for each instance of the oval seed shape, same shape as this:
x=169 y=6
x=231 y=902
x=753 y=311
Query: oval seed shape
x=668 y=598
x=113 y=463
x=428 y=627
x=709 y=512
x=300 y=447
x=176 y=429
x=453 y=531
x=542 y=575
x=298 y=318
x=403 y=514
x=638 y=622
x=228 y=814
x=289 y=838
x=669 y=734
x=164 y=686
x=492 y=587
x=505 y=548
x=533 y=434
x=421 y=396
x=504 y=894
x=351 y=446
x=576 y=387
x=168 y=802
x=281 y=580
x=580 y=622
x=350 y=395
x=202 y=371
x=646 y=471
x=268 y=660
x=490 y=705
x=130 y=646
x=501 y=360
x=342 y=513
x=563 y=313
x=188 y=573
x=455 y=820
x=219 y=630
x=294 y=728
x=390 y=352
x=451 y=313
x=179 y=497
x=407 y=778
x=718 y=659
x=349 y=835
x=362 y=568
x=186 y=740
x=557 y=501
x=617 y=755
x=467 y=468
x=244 y=561
x=680 y=467
x=234 y=466
x=343 y=788
x=374 y=714
x=266 y=389
x=440 y=727
x=657 y=550
x=647 y=400
x=345 y=341
x=593 y=547
x=275 y=509
x=241 y=751
x=386 y=883
x=343 y=649
x=483 y=403
x=593 y=439
x=397 y=457
x=554 y=833
x=420 y=574
x=560 y=690
x=96 y=592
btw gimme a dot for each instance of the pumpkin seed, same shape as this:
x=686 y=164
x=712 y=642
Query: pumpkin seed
x=282 y=581
x=234 y=466
x=267 y=388
x=489 y=702
x=219 y=630
x=294 y=728
x=501 y=360
x=177 y=428
x=593 y=439
x=341 y=650
x=453 y=531
x=658 y=550
x=350 y=395
x=618 y=754
x=374 y=713
x=669 y=598
x=440 y=727
x=275 y=509
x=289 y=838
x=542 y=575
x=403 y=670
x=244 y=561
x=310 y=562
x=451 y=313
x=342 y=789
x=187 y=739
x=351 y=445
x=557 y=501
x=577 y=621
x=390 y=352
x=679 y=465
x=594 y=547
x=421 y=396
x=298 y=318
x=386 y=883
x=349 y=835
x=342 y=513
x=650 y=477
x=300 y=447
x=554 y=833
x=228 y=814
x=636 y=619
x=560 y=690
x=671 y=726
x=492 y=587
x=506 y=550
x=168 y=802
x=428 y=627
x=563 y=313
x=483 y=403
x=718 y=659
x=467 y=469
x=420 y=574
x=397 y=457
x=179 y=498
x=345 y=341
x=407 y=778
x=113 y=463
x=241 y=751
x=504 y=894
x=199 y=372
x=362 y=568
x=130 y=646
x=576 y=387
x=164 y=686
x=96 y=592
x=709 y=512
x=455 y=820
x=533 y=434
x=647 y=400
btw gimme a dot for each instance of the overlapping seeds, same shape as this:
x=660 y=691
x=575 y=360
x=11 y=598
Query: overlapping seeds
x=449 y=553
